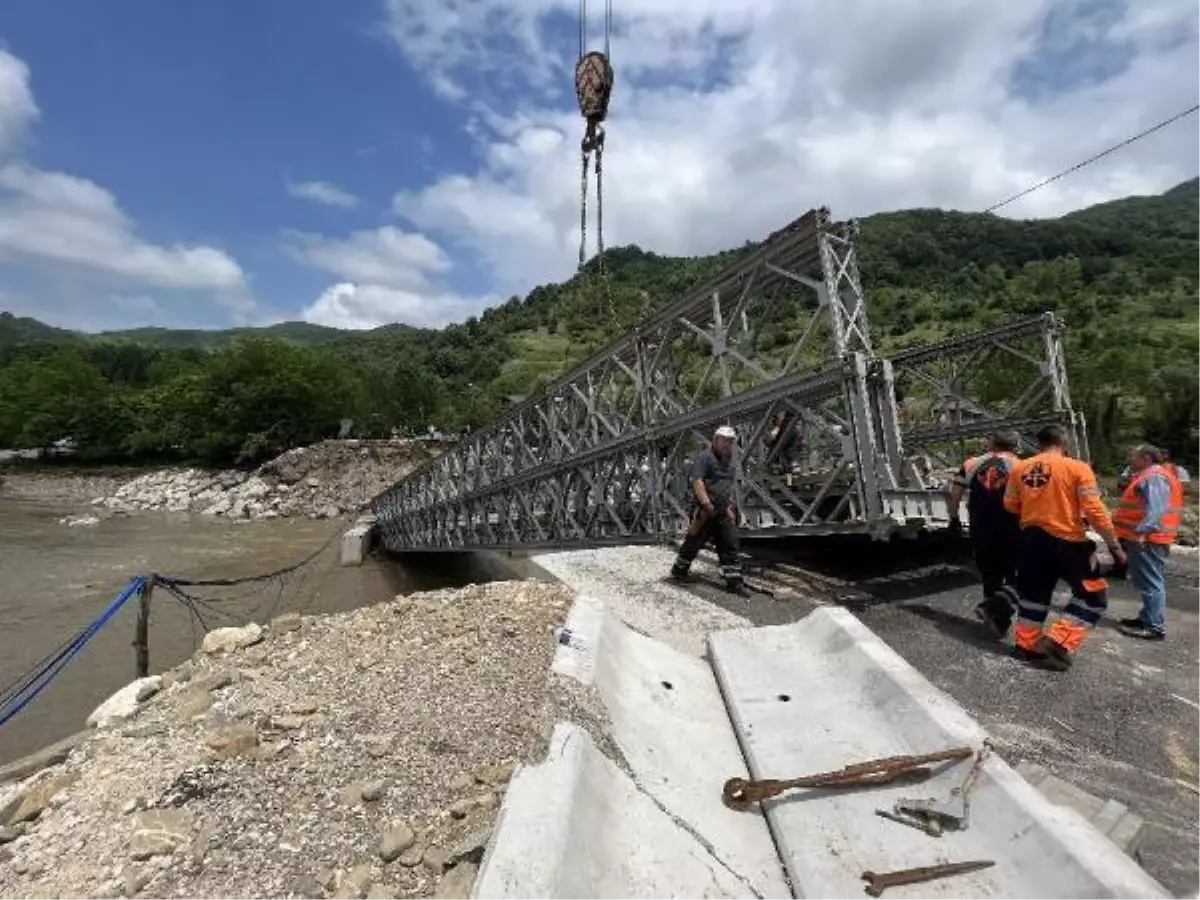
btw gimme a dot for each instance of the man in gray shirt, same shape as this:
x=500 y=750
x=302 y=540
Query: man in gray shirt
x=713 y=516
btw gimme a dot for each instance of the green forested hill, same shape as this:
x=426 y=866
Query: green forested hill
x=1123 y=274
x=301 y=334
x=1169 y=215
x=16 y=330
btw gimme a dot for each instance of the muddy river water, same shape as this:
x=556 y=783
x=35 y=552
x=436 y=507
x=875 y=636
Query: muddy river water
x=56 y=579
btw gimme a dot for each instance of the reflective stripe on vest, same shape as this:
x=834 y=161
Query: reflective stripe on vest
x=1131 y=509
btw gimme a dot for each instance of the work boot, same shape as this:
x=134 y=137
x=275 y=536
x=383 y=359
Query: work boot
x=1055 y=656
x=1135 y=622
x=996 y=614
x=1143 y=632
x=679 y=573
x=1029 y=656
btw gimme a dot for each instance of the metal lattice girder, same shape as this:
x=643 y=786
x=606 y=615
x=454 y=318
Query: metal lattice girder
x=1008 y=378
x=602 y=455
x=720 y=340
x=634 y=489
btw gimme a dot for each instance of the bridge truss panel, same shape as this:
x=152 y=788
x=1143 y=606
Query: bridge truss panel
x=959 y=390
x=601 y=456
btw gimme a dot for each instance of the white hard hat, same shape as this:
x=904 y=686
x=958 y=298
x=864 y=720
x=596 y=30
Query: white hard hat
x=726 y=431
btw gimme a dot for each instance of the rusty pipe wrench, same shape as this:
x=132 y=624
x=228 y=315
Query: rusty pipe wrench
x=741 y=793
x=878 y=882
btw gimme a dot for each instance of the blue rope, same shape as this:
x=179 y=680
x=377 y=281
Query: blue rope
x=23 y=697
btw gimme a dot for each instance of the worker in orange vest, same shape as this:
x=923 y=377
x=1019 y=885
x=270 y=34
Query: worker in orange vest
x=995 y=532
x=1178 y=472
x=1146 y=521
x=1052 y=495
x=1173 y=468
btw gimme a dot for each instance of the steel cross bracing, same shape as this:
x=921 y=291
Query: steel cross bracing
x=601 y=455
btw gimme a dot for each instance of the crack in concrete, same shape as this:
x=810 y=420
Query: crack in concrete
x=699 y=838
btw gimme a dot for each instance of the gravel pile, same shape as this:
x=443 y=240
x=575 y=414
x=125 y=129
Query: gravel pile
x=357 y=755
x=322 y=481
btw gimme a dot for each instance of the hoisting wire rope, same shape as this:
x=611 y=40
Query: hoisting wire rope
x=593 y=88
x=1098 y=156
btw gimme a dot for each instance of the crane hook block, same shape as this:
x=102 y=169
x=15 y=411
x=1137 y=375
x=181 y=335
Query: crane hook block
x=593 y=85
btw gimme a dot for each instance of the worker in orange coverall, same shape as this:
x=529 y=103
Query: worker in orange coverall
x=1052 y=495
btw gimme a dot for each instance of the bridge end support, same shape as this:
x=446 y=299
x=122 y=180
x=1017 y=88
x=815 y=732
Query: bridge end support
x=358 y=541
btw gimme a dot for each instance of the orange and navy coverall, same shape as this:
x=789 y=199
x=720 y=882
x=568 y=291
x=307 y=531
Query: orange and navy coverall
x=1051 y=494
x=995 y=536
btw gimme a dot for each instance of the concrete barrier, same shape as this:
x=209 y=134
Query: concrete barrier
x=577 y=826
x=667 y=716
x=1118 y=822
x=357 y=542
x=825 y=692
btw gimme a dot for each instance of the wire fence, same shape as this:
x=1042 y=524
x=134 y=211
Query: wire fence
x=209 y=603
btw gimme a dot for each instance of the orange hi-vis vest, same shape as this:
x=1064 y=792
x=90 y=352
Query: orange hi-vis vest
x=1056 y=493
x=1131 y=509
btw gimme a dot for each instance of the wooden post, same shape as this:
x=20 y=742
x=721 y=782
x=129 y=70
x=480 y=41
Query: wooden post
x=141 y=641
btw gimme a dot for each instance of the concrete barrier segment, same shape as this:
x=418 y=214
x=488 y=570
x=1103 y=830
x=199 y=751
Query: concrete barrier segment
x=633 y=583
x=356 y=544
x=669 y=721
x=826 y=692
x=575 y=825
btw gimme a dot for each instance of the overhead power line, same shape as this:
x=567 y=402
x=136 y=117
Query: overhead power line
x=1087 y=162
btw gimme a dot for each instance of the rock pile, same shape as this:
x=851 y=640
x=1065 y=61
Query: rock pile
x=356 y=755
x=321 y=481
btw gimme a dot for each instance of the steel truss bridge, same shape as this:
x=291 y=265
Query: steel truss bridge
x=601 y=456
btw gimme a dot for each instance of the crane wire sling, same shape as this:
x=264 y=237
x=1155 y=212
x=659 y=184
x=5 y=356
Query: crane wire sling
x=593 y=89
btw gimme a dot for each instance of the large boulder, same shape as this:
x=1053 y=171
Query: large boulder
x=226 y=640
x=29 y=802
x=125 y=702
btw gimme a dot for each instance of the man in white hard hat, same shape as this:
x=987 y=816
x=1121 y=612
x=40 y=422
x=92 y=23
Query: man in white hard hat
x=713 y=515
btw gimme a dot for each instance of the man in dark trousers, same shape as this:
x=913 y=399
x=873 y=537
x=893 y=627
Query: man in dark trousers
x=995 y=532
x=714 y=515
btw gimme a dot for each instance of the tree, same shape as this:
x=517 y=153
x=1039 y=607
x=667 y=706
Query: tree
x=261 y=396
x=58 y=397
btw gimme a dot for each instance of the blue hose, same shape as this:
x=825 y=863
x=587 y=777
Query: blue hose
x=22 y=698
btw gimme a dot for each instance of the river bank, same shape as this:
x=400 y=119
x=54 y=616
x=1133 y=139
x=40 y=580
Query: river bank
x=55 y=579
x=348 y=755
x=321 y=481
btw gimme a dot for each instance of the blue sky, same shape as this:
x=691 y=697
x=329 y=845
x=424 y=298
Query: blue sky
x=219 y=162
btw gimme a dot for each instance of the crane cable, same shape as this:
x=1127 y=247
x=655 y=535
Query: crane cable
x=593 y=88
x=1091 y=159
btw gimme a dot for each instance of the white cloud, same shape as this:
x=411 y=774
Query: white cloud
x=322 y=192
x=386 y=256
x=730 y=119
x=389 y=275
x=349 y=305
x=61 y=219
x=17 y=107
x=74 y=228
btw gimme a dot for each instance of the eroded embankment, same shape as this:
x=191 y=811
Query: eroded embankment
x=358 y=754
